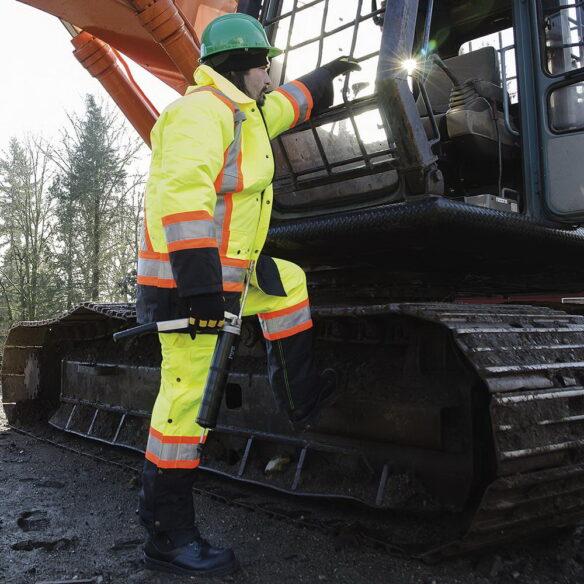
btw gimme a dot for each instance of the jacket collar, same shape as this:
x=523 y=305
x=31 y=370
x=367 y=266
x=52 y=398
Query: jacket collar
x=205 y=76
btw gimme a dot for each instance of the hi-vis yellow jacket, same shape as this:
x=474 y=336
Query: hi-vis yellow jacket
x=209 y=195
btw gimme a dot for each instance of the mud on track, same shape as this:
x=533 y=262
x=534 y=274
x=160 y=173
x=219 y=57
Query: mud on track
x=65 y=516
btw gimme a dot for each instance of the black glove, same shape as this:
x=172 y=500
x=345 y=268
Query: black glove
x=341 y=66
x=206 y=313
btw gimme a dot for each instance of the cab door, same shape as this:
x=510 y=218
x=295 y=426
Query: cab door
x=560 y=81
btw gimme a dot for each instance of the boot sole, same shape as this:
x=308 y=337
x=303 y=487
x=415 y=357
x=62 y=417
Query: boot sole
x=312 y=420
x=307 y=423
x=160 y=566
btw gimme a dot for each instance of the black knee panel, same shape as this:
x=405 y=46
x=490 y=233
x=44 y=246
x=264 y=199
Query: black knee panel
x=292 y=372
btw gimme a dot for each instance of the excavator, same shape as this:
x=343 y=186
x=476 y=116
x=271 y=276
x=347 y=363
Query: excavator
x=435 y=208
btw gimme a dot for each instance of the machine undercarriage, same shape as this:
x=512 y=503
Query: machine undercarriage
x=467 y=412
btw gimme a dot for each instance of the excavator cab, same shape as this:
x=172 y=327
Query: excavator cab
x=440 y=106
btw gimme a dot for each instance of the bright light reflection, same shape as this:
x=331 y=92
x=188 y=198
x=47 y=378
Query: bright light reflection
x=410 y=65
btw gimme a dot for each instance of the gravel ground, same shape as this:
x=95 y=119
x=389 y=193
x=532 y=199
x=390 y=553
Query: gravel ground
x=66 y=517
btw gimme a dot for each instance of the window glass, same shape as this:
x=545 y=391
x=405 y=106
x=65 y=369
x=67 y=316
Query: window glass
x=353 y=142
x=563 y=26
x=566 y=108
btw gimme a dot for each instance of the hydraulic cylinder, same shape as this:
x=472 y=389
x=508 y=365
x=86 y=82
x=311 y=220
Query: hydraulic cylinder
x=103 y=64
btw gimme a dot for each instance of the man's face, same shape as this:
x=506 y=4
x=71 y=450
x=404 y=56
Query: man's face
x=258 y=83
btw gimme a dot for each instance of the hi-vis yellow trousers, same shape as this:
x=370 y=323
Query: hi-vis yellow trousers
x=286 y=323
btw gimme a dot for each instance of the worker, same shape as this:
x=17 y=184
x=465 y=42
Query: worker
x=207 y=210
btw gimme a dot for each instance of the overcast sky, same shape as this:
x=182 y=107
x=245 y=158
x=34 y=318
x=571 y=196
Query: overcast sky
x=40 y=77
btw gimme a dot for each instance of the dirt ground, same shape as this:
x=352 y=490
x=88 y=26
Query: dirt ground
x=65 y=517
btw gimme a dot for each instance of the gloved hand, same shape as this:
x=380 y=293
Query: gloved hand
x=206 y=313
x=341 y=66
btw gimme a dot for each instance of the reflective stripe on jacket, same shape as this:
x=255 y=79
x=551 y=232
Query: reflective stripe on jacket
x=209 y=194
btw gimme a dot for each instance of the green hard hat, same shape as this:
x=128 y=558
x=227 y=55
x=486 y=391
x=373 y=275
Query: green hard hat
x=232 y=32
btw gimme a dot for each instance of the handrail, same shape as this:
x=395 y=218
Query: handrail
x=506 y=114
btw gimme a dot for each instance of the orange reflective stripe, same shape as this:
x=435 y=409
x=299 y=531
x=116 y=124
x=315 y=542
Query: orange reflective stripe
x=228 y=200
x=147 y=240
x=153 y=255
x=191 y=244
x=307 y=96
x=235 y=263
x=286 y=322
x=219 y=180
x=154 y=269
x=293 y=103
x=232 y=157
x=284 y=311
x=169 y=451
x=187 y=216
x=300 y=98
x=157 y=282
x=232 y=287
x=230 y=178
x=160 y=463
x=288 y=332
x=189 y=230
x=230 y=104
x=233 y=271
x=171 y=439
x=145 y=243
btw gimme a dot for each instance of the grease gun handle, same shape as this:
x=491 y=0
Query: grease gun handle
x=163 y=326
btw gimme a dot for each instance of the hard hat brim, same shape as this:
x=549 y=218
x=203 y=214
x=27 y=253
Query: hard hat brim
x=274 y=52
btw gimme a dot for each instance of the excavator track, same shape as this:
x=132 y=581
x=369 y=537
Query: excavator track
x=531 y=361
x=525 y=365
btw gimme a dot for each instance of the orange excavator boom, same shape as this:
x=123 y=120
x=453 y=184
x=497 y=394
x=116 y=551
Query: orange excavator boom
x=160 y=35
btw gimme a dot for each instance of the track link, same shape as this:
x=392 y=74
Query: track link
x=530 y=361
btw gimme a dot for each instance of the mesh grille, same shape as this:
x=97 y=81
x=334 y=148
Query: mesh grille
x=346 y=152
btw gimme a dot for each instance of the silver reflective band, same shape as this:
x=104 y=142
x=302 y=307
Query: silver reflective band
x=300 y=99
x=231 y=174
x=286 y=322
x=233 y=274
x=185 y=230
x=155 y=269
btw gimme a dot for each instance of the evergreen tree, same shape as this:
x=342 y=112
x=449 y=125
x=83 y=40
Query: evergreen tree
x=70 y=217
x=95 y=193
x=26 y=229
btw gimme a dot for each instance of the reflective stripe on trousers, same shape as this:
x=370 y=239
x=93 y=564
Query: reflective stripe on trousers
x=175 y=435
x=173 y=451
x=288 y=321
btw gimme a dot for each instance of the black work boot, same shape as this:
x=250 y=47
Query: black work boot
x=171 y=553
x=174 y=544
x=306 y=417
